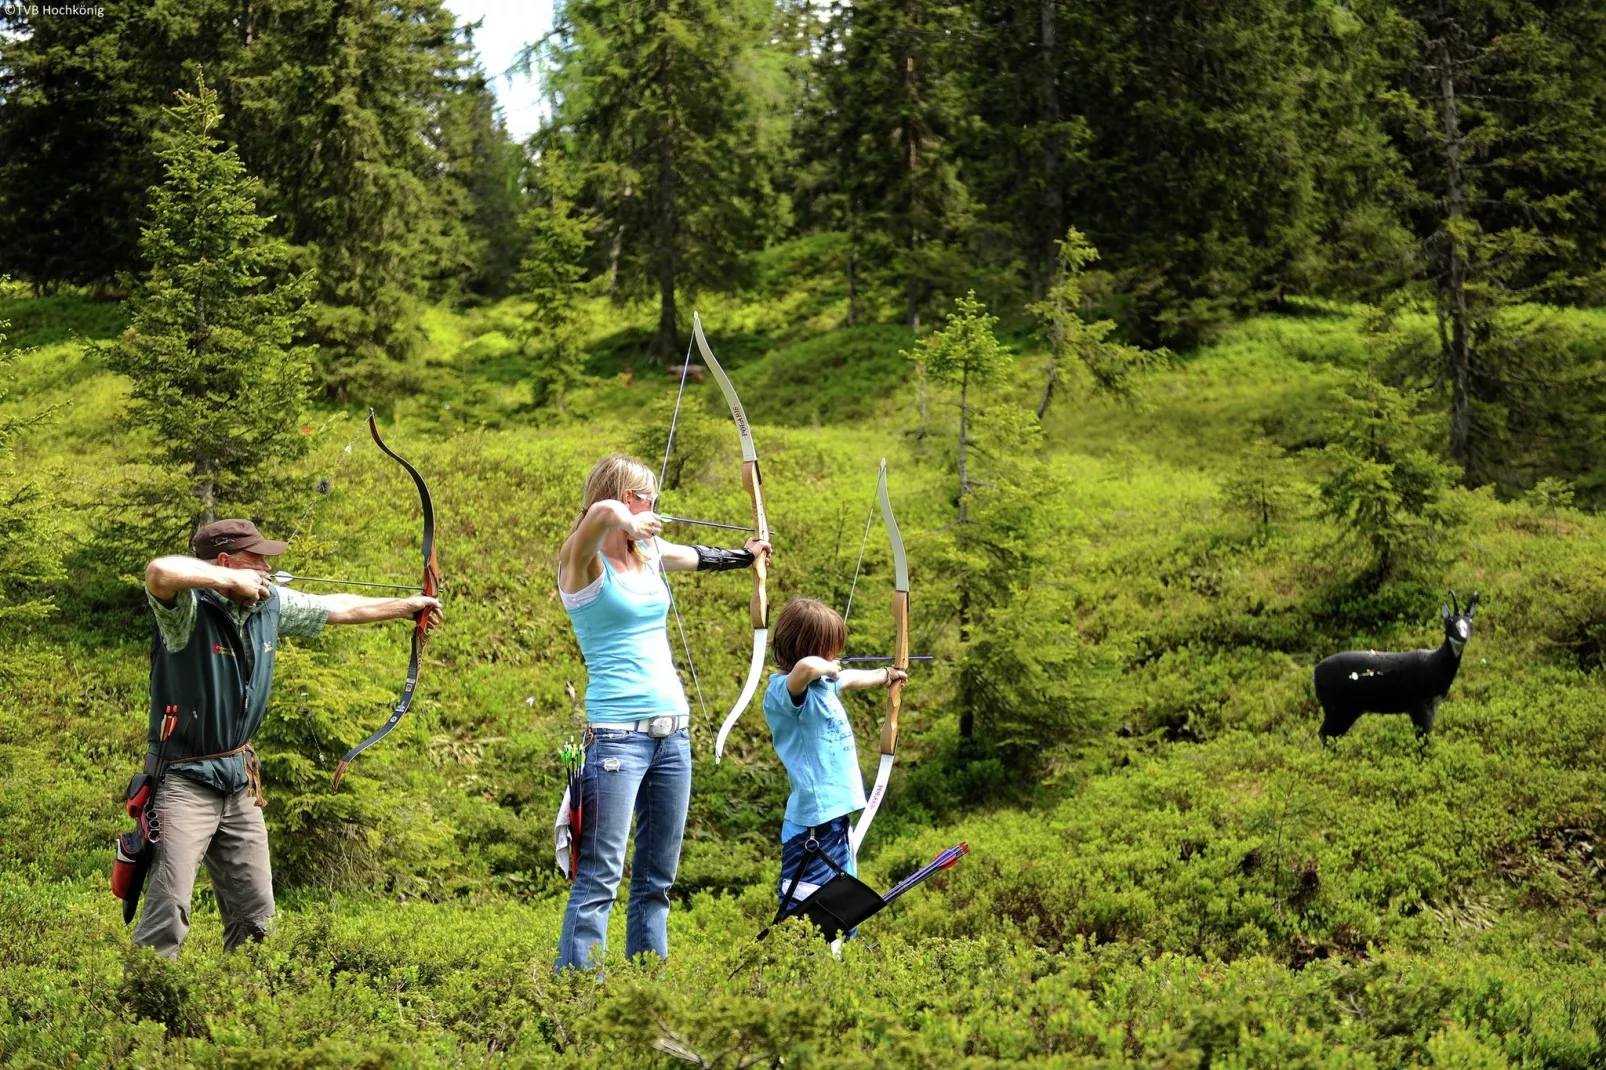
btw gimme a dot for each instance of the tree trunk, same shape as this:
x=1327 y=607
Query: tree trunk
x=1053 y=196
x=615 y=247
x=206 y=494
x=911 y=138
x=1453 y=288
x=853 y=269
x=1048 y=387
x=964 y=430
x=665 y=344
x=913 y=293
x=967 y=716
x=920 y=378
x=967 y=712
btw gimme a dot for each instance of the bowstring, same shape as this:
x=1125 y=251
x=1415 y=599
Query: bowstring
x=321 y=491
x=869 y=518
x=674 y=418
x=663 y=573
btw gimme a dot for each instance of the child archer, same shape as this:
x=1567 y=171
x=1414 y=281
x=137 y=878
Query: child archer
x=815 y=741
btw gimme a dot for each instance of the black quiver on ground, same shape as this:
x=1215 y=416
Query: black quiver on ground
x=835 y=907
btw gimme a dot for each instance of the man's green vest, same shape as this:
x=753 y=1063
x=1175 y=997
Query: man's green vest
x=220 y=692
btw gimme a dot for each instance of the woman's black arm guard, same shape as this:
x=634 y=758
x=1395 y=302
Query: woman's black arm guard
x=714 y=559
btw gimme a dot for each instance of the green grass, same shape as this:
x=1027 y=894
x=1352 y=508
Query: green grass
x=1198 y=883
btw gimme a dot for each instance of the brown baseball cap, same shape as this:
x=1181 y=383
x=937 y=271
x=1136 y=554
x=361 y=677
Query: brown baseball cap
x=230 y=537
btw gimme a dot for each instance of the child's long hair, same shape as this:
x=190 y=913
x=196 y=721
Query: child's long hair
x=807 y=628
x=609 y=479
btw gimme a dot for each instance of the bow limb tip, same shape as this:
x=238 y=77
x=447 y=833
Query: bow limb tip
x=755 y=669
x=724 y=733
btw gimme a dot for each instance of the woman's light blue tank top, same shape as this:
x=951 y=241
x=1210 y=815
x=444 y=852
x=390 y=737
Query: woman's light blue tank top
x=629 y=672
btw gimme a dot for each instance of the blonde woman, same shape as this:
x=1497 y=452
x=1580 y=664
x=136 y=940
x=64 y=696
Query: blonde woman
x=638 y=749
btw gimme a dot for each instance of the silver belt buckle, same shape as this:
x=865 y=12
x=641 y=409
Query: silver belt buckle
x=659 y=727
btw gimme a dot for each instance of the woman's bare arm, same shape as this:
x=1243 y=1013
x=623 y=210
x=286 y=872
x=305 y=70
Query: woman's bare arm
x=577 y=560
x=678 y=558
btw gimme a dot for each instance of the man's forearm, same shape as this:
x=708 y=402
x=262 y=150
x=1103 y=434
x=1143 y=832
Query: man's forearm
x=360 y=609
x=167 y=576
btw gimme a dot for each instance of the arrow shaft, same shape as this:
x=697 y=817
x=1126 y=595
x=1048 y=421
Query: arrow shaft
x=887 y=657
x=704 y=523
x=285 y=579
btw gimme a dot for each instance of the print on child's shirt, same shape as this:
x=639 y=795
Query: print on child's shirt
x=837 y=728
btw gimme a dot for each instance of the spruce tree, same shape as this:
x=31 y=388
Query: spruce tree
x=491 y=164
x=552 y=275
x=78 y=98
x=1263 y=487
x=1077 y=347
x=217 y=378
x=1024 y=672
x=372 y=131
x=1022 y=154
x=1215 y=152
x=966 y=354
x=883 y=145
x=1387 y=488
x=345 y=112
x=659 y=100
x=826 y=160
x=1497 y=113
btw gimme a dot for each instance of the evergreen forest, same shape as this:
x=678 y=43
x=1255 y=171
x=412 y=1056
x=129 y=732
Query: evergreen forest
x=1201 y=341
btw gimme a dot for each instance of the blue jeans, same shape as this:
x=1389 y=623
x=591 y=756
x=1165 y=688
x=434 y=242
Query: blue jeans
x=627 y=772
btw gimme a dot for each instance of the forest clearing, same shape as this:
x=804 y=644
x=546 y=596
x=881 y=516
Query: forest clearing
x=1192 y=418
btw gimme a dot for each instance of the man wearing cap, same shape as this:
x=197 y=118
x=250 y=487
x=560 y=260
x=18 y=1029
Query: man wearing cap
x=218 y=625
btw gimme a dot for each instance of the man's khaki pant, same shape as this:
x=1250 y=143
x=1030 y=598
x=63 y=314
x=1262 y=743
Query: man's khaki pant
x=200 y=824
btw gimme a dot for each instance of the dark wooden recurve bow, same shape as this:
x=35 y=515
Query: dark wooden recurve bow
x=424 y=619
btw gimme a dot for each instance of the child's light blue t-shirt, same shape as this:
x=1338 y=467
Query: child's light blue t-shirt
x=815 y=743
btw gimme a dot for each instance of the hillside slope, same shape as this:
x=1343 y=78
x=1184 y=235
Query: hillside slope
x=1197 y=882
